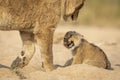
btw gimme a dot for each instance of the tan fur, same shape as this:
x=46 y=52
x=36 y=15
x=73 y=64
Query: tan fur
x=87 y=53
x=36 y=20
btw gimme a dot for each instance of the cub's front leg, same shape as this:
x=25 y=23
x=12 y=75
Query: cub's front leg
x=69 y=62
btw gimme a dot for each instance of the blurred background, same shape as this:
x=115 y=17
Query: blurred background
x=100 y=13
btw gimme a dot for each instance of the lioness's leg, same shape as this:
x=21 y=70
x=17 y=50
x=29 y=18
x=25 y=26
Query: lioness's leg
x=27 y=52
x=45 y=41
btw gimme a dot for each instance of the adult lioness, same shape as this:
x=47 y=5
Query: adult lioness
x=36 y=20
x=85 y=52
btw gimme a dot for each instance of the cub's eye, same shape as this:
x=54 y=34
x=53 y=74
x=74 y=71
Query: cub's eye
x=69 y=35
x=64 y=38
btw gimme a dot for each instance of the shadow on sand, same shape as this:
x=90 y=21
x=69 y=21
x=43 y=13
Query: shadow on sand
x=3 y=66
x=117 y=65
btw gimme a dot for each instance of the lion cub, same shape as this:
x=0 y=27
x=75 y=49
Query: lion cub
x=84 y=52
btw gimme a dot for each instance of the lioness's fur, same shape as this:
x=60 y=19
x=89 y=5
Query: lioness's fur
x=85 y=52
x=36 y=20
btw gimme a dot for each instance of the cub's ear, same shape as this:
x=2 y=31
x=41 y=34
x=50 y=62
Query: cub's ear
x=71 y=5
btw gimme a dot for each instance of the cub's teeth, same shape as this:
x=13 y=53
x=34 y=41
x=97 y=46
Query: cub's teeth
x=70 y=45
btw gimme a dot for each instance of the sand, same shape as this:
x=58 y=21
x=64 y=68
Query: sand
x=107 y=39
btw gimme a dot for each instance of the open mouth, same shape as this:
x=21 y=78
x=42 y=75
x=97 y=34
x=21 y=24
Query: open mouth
x=69 y=44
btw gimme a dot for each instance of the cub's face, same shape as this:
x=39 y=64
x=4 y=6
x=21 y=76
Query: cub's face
x=72 y=39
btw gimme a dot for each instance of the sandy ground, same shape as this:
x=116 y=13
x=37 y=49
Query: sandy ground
x=106 y=38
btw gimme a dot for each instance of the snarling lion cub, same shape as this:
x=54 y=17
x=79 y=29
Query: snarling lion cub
x=84 y=52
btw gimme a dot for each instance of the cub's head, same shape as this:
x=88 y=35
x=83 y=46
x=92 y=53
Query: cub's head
x=71 y=9
x=72 y=39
